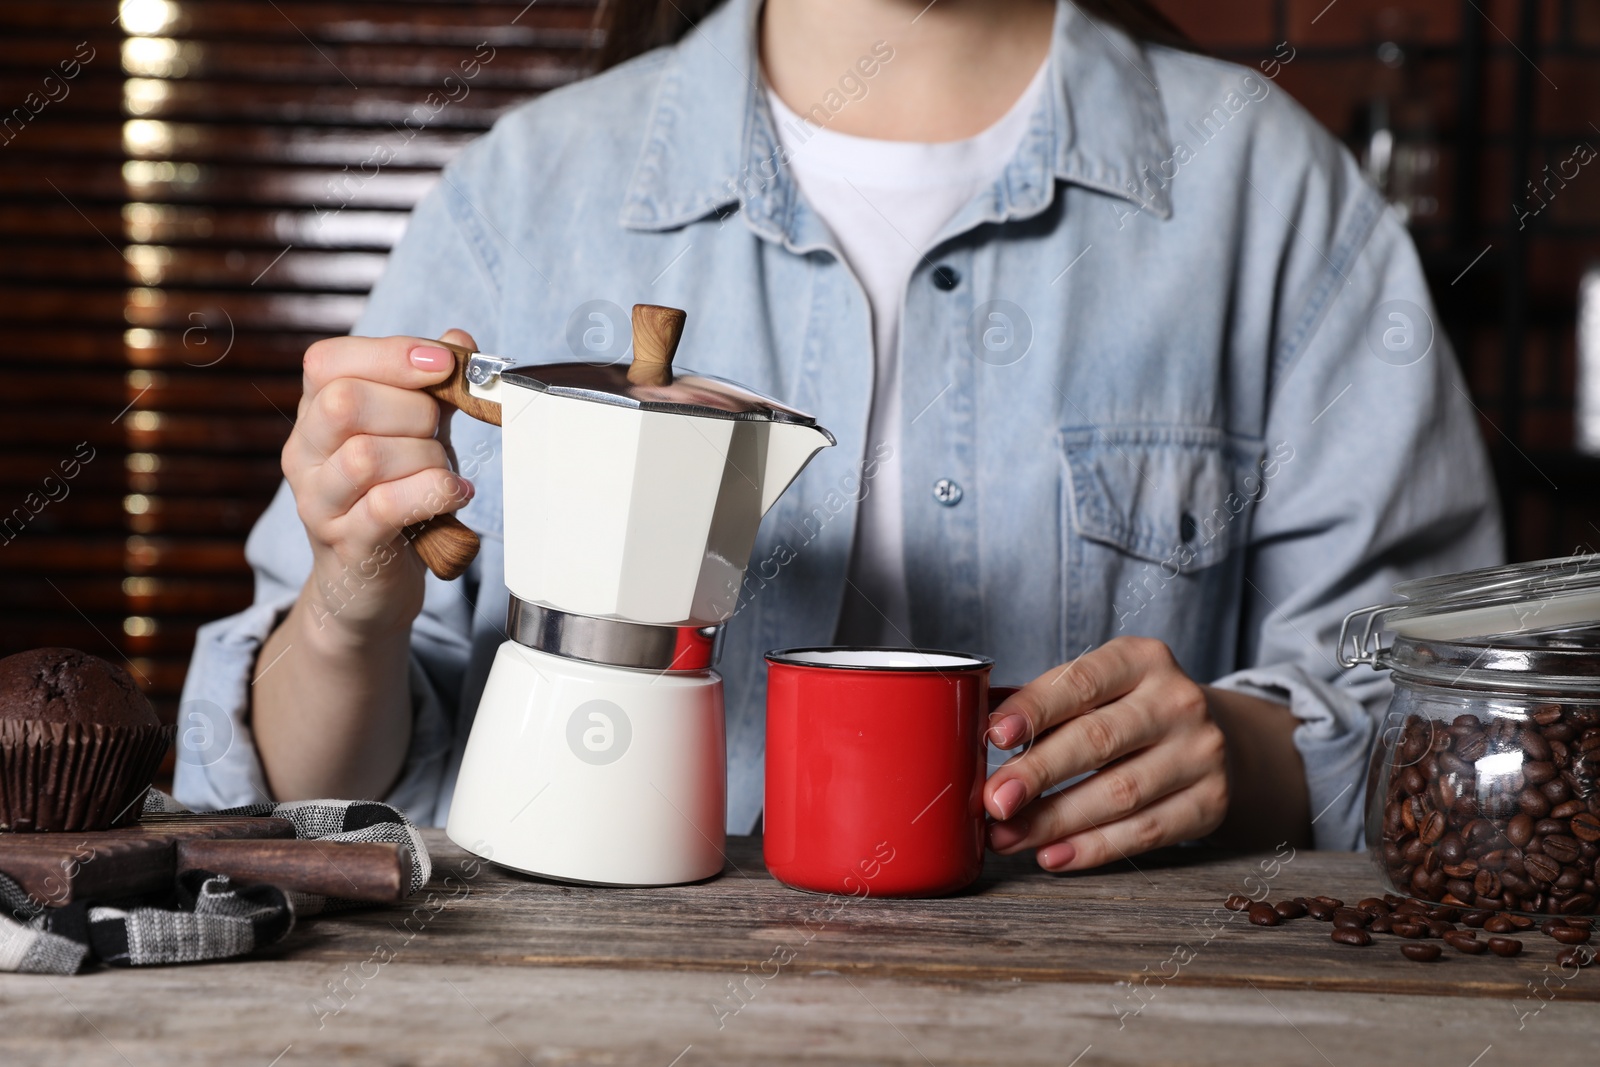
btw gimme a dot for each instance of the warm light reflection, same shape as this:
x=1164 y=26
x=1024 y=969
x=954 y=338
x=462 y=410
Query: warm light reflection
x=136 y=504
x=156 y=57
x=149 y=262
x=145 y=421
x=148 y=172
x=140 y=96
x=139 y=626
x=146 y=298
x=147 y=17
x=143 y=462
x=140 y=587
x=142 y=222
x=146 y=137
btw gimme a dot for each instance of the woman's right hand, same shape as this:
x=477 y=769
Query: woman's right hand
x=364 y=461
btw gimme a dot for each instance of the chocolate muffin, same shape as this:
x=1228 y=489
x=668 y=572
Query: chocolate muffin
x=79 y=743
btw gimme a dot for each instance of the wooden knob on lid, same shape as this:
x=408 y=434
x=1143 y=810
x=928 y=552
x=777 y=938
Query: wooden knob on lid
x=656 y=333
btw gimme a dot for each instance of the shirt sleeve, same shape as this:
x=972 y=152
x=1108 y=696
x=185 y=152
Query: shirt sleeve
x=440 y=275
x=1377 y=473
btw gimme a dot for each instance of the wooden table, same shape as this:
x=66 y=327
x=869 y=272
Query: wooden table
x=1137 y=965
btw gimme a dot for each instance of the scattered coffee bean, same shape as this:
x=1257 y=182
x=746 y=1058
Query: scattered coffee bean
x=1382 y=924
x=1569 y=935
x=1261 y=914
x=1349 y=917
x=1351 y=935
x=1319 y=910
x=1521 y=922
x=1550 y=924
x=1332 y=902
x=1422 y=953
x=1504 y=946
x=1289 y=909
x=1465 y=941
x=1476 y=918
x=1414 y=931
x=1374 y=905
x=1498 y=924
x=1237 y=902
x=1575 y=956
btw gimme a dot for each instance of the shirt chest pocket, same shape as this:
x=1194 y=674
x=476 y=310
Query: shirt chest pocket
x=1150 y=514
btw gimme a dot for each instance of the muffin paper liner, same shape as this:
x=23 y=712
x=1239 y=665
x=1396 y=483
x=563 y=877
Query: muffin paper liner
x=75 y=776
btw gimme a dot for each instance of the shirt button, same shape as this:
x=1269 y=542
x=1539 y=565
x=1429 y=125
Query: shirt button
x=947 y=492
x=945 y=277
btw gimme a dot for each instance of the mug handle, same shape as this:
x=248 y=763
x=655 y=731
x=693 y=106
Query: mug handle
x=443 y=542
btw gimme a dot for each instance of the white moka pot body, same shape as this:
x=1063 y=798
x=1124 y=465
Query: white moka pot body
x=590 y=773
x=626 y=513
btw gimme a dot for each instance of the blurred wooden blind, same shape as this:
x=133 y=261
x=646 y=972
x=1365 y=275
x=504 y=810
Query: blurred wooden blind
x=192 y=193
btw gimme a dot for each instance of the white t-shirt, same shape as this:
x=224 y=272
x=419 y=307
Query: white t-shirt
x=885 y=202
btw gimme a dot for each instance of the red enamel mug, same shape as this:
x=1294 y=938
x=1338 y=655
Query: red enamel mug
x=875 y=769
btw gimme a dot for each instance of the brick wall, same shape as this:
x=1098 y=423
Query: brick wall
x=1511 y=86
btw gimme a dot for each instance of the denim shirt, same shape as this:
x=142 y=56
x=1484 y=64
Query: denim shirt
x=1173 y=374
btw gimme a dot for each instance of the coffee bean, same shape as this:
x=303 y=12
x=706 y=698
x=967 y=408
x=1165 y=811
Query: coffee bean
x=1432 y=829
x=1476 y=918
x=1582 y=924
x=1382 y=924
x=1421 y=953
x=1536 y=772
x=1541 y=868
x=1465 y=941
x=1545 y=714
x=1332 y=902
x=1351 y=917
x=1534 y=745
x=1237 y=902
x=1520 y=922
x=1569 y=935
x=1504 y=946
x=1374 y=905
x=1319 y=910
x=1289 y=909
x=1519 y=831
x=1556 y=791
x=1561 y=848
x=1575 y=956
x=1498 y=924
x=1413 y=931
x=1261 y=914
x=1567 y=809
x=1586 y=826
x=1438 y=927
x=1578 y=904
x=1351 y=935
x=1533 y=803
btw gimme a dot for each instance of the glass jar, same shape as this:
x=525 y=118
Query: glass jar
x=1484 y=789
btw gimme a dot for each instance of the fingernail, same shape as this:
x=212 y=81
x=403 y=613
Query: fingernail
x=1009 y=730
x=1008 y=798
x=426 y=358
x=1004 y=835
x=464 y=489
x=1057 y=855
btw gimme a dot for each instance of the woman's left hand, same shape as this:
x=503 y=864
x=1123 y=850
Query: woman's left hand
x=1127 y=710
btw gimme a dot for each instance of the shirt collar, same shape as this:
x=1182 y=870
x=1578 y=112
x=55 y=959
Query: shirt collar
x=710 y=140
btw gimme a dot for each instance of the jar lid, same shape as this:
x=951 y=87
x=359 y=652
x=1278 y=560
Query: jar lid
x=649 y=382
x=1539 y=618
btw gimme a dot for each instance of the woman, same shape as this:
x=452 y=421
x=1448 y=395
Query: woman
x=1132 y=375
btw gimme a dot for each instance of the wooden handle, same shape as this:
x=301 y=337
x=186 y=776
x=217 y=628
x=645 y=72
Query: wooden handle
x=443 y=543
x=371 y=871
x=656 y=333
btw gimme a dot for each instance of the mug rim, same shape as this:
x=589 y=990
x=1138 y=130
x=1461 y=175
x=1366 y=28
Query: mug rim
x=972 y=661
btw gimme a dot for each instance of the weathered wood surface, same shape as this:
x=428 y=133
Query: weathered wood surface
x=1030 y=968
